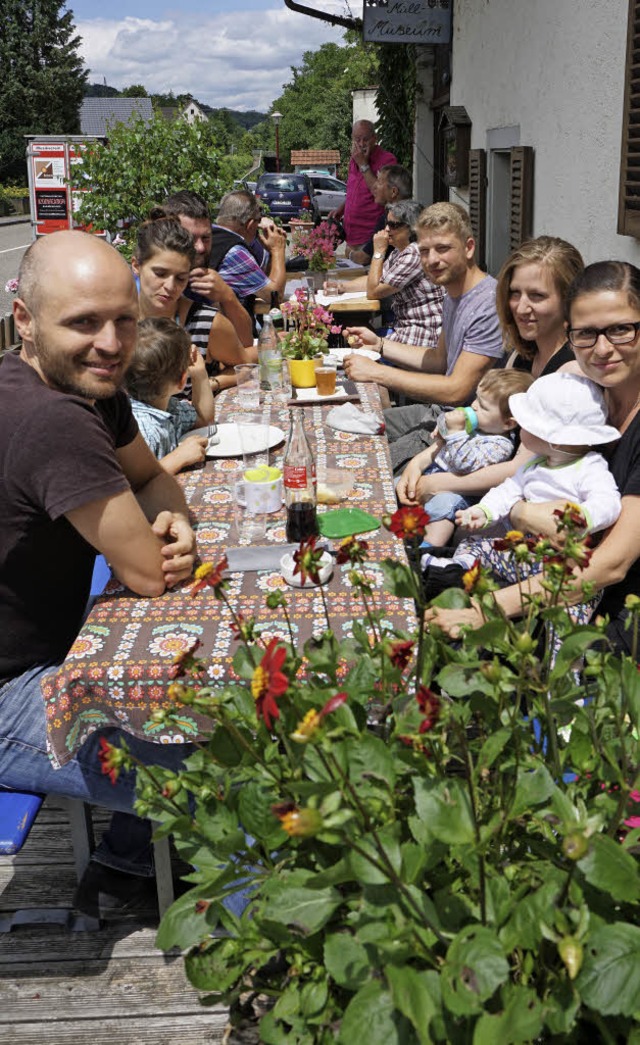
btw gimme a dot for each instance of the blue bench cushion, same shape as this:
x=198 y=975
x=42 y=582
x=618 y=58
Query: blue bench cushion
x=18 y=810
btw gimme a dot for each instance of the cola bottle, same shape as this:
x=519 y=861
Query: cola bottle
x=299 y=483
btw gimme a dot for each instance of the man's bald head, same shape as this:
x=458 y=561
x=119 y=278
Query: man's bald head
x=59 y=254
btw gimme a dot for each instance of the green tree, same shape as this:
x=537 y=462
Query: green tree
x=140 y=164
x=316 y=104
x=42 y=81
x=136 y=90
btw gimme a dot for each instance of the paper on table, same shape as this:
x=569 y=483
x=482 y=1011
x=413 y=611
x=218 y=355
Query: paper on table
x=333 y=299
x=258 y=557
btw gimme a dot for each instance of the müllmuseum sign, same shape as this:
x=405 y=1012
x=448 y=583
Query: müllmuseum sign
x=407 y=21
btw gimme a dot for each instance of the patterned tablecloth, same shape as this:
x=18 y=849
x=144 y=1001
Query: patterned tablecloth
x=117 y=671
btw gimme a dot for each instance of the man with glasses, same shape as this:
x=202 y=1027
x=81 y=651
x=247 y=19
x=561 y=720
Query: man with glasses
x=360 y=212
x=392 y=185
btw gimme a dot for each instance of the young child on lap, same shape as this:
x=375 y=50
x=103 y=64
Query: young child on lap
x=561 y=417
x=467 y=439
x=163 y=360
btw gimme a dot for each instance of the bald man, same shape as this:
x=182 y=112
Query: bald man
x=77 y=478
x=360 y=211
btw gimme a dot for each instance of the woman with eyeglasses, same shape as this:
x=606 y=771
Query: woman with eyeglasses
x=603 y=327
x=396 y=277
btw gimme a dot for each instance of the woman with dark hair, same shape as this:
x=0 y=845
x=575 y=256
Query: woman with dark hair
x=163 y=259
x=532 y=286
x=603 y=328
x=396 y=276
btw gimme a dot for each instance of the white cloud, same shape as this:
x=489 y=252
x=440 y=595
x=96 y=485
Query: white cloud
x=240 y=60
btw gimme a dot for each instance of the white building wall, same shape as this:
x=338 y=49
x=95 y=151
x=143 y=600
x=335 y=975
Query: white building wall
x=555 y=70
x=364 y=104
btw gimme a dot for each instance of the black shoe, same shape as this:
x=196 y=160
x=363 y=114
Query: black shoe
x=436 y=579
x=111 y=895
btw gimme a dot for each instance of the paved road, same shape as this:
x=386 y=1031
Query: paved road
x=14 y=239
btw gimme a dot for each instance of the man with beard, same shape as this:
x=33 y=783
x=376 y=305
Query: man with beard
x=77 y=477
x=205 y=284
x=469 y=345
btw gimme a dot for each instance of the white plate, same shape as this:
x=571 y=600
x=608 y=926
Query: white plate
x=310 y=395
x=338 y=354
x=229 y=445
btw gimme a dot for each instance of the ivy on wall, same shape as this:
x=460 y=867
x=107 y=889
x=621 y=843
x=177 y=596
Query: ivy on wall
x=396 y=100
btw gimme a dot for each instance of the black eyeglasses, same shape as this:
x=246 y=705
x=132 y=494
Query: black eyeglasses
x=616 y=334
x=393 y=225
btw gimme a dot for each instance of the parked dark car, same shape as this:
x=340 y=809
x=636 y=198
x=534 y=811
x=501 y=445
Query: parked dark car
x=329 y=191
x=287 y=195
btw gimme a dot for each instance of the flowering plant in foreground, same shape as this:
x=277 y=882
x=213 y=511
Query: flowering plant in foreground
x=311 y=325
x=438 y=835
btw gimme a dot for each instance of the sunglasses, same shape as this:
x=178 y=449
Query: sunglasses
x=393 y=225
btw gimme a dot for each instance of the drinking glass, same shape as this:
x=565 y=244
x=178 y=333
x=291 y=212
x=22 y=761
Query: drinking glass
x=248 y=379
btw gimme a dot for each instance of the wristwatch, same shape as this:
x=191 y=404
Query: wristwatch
x=364 y=168
x=377 y=255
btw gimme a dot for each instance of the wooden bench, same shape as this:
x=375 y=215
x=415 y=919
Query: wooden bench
x=18 y=813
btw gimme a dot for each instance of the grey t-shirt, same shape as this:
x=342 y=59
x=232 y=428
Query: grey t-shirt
x=470 y=322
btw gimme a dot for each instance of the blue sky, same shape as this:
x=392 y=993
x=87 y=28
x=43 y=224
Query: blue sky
x=235 y=53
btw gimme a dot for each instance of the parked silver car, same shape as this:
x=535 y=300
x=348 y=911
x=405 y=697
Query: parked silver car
x=330 y=192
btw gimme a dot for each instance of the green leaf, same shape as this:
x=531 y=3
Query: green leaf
x=369 y=1017
x=609 y=979
x=573 y=647
x=445 y=809
x=521 y=1021
x=610 y=868
x=416 y=995
x=214 y=969
x=533 y=788
x=491 y=748
x=288 y=901
x=371 y=757
x=474 y=969
x=523 y=928
x=346 y=961
x=365 y=869
x=630 y=677
x=399 y=578
x=254 y=809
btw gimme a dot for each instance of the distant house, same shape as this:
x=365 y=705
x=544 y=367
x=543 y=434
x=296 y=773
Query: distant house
x=98 y=114
x=315 y=160
x=194 y=113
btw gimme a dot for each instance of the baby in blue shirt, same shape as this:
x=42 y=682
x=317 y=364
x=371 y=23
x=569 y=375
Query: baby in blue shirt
x=163 y=360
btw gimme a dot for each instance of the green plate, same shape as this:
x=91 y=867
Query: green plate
x=343 y=522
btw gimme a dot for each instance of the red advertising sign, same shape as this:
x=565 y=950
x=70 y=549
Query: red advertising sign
x=52 y=202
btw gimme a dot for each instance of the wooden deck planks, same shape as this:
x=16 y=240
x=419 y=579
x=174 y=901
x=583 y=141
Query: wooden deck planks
x=111 y=987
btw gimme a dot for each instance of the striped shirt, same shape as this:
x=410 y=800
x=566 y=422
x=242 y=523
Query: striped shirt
x=417 y=302
x=198 y=323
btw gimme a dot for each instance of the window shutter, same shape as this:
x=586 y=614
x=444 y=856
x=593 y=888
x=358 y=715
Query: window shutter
x=521 y=204
x=478 y=200
x=629 y=197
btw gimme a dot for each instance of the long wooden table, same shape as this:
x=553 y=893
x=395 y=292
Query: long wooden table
x=118 y=670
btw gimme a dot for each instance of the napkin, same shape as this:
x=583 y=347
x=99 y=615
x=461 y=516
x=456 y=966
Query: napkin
x=258 y=557
x=348 y=418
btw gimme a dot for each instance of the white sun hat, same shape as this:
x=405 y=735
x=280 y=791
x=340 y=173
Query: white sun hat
x=564 y=409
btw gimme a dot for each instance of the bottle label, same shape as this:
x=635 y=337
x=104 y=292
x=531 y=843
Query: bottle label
x=295 y=477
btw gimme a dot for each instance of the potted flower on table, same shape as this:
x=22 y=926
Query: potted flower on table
x=307 y=339
x=318 y=245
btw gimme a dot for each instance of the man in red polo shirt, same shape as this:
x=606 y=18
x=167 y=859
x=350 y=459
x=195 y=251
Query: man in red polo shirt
x=360 y=212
